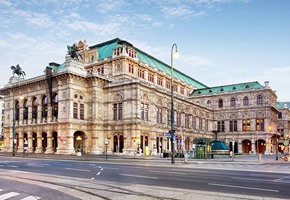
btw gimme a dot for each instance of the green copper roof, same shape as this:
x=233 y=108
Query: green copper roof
x=106 y=50
x=281 y=104
x=218 y=145
x=227 y=88
x=142 y=56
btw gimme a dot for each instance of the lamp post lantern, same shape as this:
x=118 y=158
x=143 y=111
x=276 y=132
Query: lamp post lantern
x=172 y=131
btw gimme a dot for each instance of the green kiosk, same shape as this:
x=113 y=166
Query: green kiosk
x=202 y=148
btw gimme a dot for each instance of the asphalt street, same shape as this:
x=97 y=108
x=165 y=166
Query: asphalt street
x=238 y=177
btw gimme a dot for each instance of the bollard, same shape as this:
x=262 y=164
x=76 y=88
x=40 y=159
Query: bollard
x=259 y=157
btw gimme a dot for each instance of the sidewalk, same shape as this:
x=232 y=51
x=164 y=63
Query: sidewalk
x=250 y=159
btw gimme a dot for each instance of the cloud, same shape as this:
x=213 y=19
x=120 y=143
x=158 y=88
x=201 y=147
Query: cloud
x=194 y=60
x=183 y=11
x=106 y=6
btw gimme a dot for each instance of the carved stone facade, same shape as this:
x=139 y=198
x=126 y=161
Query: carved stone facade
x=120 y=94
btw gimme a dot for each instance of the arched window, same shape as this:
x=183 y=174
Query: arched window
x=55 y=106
x=259 y=99
x=44 y=107
x=233 y=102
x=220 y=103
x=208 y=103
x=79 y=107
x=25 y=109
x=16 y=110
x=34 y=108
x=246 y=101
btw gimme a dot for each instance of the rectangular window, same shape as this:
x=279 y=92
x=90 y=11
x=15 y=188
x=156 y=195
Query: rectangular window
x=118 y=111
x=186 y=120
x=131 y=69
x=151 y=77
x=167 y=84
x=221 y=126
x=233 y=126
x=182 y=90
x=175 y=87
x=75 y=110
x=178 y=123
x=168 y=117
x=193 y=122
x=246 y=124
x=206 y=125
x=260 y=126
x=82 y=111
x=141 y=73
x=159 y=115
x=144 y=111
x=200 y=124
x=159 y=81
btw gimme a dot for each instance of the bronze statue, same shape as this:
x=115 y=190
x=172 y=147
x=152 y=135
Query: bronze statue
x=74 y=52
x=18 y=71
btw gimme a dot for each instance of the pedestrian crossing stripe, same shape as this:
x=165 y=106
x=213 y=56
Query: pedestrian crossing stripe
x=8 y=195
x=14 y=194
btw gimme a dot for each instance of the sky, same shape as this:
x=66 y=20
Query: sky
x=220 y=42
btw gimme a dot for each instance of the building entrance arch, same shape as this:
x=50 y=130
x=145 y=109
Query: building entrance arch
x=44 y=141
x=246 y=146
x=260 y=146
x=118 y=143
x=233 y=147
x=79 y=141
x=34 y=141
x=54 y=141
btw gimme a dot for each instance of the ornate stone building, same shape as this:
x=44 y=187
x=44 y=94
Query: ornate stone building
x=119 y=93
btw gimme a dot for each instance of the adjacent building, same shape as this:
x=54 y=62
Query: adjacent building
x=118 y=93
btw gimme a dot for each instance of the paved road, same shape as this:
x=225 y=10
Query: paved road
x=155 y=178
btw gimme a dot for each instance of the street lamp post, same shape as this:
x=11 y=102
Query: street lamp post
x=276 y=147
x=106 y=143
x=173 y=53
x=13 y=126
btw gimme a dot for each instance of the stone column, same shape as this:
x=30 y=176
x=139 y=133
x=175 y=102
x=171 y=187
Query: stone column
x=21 y=141
x=39 y=148
x=39 y=114
x=29 y=119
x=253 y=146
x=49 y=114
x=49 y=148
x=30 y=142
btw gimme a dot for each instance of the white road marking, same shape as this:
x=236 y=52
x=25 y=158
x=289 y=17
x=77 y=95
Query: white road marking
x=252 y=179
x=8 y=195
x=242 y=187
x=282 y=180
x=14 y=166
x=98 y=173
x=138 y=176
x=81 y=170
x=31 y=198
x=111 y=168
x=166 y=172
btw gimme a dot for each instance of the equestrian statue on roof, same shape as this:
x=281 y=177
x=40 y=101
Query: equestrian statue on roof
x=73 y=51
x=18 y=71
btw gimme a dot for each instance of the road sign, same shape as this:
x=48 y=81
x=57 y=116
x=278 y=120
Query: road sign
x=174 y=137
x=166 y=134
